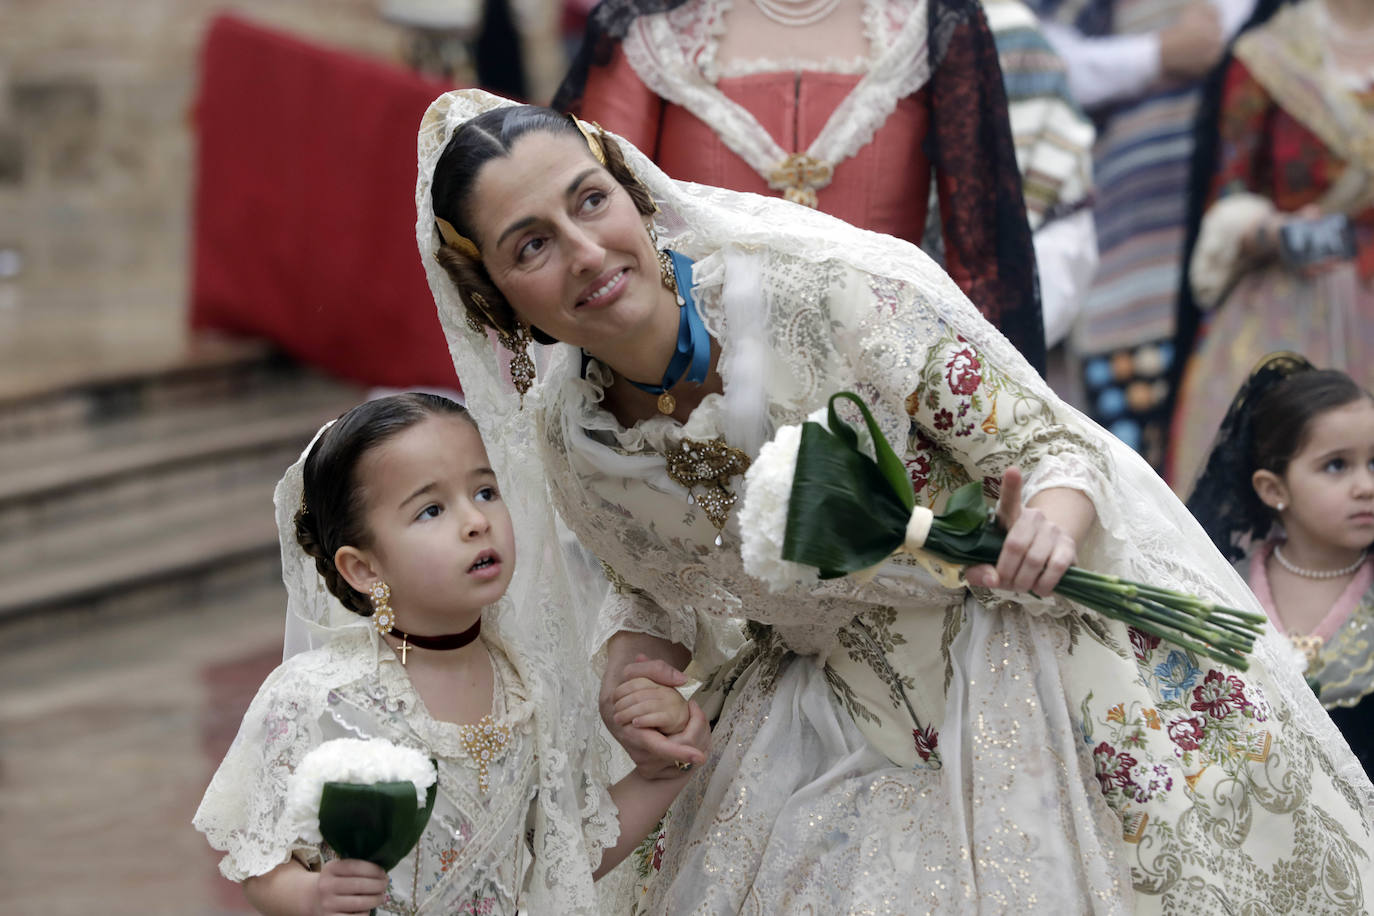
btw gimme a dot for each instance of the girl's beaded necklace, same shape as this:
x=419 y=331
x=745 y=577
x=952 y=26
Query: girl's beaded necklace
x=1318 y=573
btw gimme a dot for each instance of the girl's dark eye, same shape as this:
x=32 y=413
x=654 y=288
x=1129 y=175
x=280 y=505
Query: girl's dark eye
x=1335 y=464
x=433 y=510
x=487 y=495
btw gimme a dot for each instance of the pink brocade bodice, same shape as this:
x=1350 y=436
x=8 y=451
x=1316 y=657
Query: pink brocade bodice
x=884 y=187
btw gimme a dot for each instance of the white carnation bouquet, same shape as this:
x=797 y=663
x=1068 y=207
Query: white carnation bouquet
x=368 y=799
x=824 y=500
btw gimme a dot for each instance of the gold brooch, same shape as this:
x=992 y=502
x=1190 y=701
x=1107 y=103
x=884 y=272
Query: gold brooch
x=709 y=465
x=485 y=742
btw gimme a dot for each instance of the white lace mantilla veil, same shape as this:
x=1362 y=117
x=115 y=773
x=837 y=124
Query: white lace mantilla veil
x=537 y=631
x=1145 y=532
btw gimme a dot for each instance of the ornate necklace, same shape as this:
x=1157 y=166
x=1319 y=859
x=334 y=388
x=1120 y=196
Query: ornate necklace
x=796 y=13
x=442 y=643
x=1318 y=573
x=692 y=357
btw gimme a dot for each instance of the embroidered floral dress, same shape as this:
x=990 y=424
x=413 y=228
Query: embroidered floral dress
x=1342 y=664
x=474 y=856
x=909 y=748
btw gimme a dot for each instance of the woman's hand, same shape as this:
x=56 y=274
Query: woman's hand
x=349 y=886
x=653 y=753
x=1042 y=538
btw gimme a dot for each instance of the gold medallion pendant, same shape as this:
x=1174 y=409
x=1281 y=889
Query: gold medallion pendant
x=666 y=404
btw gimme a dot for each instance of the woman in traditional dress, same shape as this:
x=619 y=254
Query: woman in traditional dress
x=1294 y=142
x=892 y=745
x=865 y=110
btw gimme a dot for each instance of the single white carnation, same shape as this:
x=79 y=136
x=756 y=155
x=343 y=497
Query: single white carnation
x=355 y=761
x=763 y=513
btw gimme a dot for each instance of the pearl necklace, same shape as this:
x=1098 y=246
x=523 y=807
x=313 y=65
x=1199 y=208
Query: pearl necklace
x=796 y=13
x=1318 y=573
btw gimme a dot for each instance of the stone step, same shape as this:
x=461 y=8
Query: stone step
x=74 y=565
x=140 y=491
x=70 y=476
x=213 y=369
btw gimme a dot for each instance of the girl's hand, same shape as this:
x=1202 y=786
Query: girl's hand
x=644 y=703
x=655 y=755
x=348 y=887
x=1040 y=544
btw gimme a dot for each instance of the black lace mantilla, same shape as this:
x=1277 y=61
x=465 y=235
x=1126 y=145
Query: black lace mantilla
x=1223 y=501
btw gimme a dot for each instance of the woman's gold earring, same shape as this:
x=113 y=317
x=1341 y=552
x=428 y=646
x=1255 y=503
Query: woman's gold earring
x=521 y=365
x=666 y=273
x=383 y=618
x=1279 y=507
x=669 y=276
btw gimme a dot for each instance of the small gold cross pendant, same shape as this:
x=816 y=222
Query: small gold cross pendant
x=404 y=648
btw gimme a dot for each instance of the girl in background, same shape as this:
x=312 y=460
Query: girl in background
x=1288 y=492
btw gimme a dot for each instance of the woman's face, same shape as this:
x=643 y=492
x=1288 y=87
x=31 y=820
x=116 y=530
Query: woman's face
x=564 y=243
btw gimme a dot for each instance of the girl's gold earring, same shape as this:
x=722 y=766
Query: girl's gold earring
x=1279 y=507
x=383 y=618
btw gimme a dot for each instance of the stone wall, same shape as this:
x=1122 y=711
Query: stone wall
x=95 y=142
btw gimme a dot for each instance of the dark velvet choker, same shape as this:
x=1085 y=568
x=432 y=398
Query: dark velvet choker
x=441 y=643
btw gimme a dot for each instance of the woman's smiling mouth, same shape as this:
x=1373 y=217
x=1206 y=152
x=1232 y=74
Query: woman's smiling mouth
x=605 y=289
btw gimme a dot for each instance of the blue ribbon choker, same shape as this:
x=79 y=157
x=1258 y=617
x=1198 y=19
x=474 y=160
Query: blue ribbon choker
x=692 y=357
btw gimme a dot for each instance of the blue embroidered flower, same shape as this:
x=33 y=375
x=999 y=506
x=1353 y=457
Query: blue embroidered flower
x=1176 y=676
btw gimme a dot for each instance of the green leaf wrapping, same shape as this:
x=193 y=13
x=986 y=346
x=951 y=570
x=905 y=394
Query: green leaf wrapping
x=379 y=823
x=843 y=515
x=891 y=466
x=847 y=512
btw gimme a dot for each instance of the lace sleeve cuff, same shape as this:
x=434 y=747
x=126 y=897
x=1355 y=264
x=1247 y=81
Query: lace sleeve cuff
x=627 y=608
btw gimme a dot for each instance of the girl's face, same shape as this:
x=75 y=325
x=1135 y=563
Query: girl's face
x=1329 y=484
x=564 y=243
x=441 y=534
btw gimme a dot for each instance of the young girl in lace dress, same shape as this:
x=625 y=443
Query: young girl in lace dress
x=1297 y=449
x=399 y=512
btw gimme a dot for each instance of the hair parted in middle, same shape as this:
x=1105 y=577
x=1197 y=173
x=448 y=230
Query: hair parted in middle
x=478 y=141
x=333 y=499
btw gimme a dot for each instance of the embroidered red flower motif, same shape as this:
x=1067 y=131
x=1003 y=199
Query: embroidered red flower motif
x=659 y=845
x=1186 y=733
x=1143 y=643
x=1113 y=769
x=964 y=371
x=944 y=420
x=919 y=469
x=1219 y=695
x=927 y=739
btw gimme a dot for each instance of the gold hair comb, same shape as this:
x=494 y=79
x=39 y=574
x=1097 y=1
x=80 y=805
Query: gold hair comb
x=454 y=240
x=593 y=143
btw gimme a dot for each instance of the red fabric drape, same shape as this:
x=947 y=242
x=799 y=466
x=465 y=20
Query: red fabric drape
x=305 y=206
